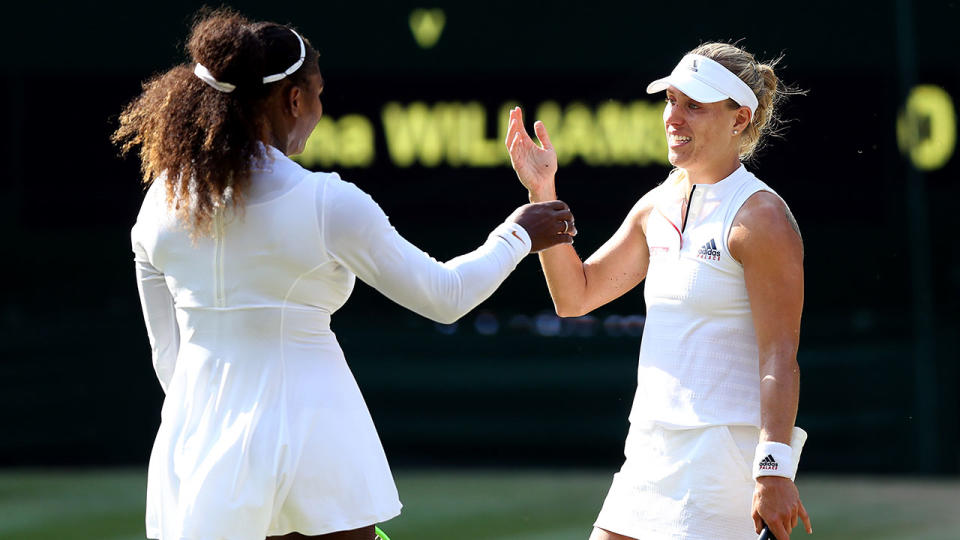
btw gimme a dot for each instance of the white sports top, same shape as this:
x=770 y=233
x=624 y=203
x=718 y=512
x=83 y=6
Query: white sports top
x=299 y=245
x=699 y=363
x=264 y=430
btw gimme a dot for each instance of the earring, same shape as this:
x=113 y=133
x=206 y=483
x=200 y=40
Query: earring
x=734 y=132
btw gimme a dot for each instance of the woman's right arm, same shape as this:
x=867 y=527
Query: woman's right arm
x=619 y=265
x=359 y=235
x=577 y=288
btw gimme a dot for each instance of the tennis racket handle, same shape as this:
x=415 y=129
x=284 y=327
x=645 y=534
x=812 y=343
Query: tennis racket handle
x=765 y=534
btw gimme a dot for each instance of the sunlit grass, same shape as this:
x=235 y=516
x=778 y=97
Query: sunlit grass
x=478 y=505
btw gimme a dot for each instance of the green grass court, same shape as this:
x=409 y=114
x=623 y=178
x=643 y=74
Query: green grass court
x=478 y=505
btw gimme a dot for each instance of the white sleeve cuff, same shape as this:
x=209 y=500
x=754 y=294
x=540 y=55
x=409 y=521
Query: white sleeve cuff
x=516 y=238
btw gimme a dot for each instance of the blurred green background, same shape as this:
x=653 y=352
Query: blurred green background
x=510 y=423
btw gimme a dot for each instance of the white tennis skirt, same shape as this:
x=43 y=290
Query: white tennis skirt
x=254 y=443
x=683 y=484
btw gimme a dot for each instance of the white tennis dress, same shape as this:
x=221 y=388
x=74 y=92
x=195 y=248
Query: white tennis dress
x=263 y=430
x=695 y=419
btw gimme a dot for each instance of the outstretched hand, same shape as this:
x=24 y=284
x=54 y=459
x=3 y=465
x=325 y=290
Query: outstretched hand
x=536 y=164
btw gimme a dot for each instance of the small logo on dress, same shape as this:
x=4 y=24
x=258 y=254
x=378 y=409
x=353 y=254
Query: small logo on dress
x=709 y=251
x=769 y=464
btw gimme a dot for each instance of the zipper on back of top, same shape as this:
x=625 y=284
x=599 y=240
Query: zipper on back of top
x=218 y=285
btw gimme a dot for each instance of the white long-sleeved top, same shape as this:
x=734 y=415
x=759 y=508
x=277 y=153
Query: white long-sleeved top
x=263 y=429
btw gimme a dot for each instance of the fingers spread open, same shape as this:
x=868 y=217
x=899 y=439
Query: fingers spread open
x=516 y=132
x=542 y=134
x=514 y=124
x=511 y=127
x=517 y=115
x=514 y=148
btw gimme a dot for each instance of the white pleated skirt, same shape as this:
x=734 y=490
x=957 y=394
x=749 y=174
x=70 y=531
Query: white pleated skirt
x=690 y=484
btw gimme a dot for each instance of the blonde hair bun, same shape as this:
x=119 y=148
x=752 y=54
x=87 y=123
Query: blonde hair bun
x=763 y=80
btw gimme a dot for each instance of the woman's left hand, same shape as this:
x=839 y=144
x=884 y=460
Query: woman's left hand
x=776 y=502
x=536 y=164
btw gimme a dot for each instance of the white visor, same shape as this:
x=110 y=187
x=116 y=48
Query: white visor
x=706 y=81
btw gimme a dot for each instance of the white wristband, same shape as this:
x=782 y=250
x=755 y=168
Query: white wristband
x=773 y=459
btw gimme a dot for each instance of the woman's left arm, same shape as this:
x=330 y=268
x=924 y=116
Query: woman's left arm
x=159 y=314
x=766 y=240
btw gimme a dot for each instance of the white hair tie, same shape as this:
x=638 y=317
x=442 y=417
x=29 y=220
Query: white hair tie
x=204 y=74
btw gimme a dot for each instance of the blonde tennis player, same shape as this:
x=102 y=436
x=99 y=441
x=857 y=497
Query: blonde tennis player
x=722 y=258
x=242 y=256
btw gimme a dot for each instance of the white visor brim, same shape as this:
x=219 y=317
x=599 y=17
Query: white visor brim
x=707 y=81
x=694 y=89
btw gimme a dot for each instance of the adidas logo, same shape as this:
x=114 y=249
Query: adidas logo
x=709 y=251
x=769 y=464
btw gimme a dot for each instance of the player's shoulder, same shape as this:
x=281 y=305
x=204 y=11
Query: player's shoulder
x=327 y=181
x=155 y=215
x=156 y=191
x=336 y=187
x=339 y=197
x=154 y=200
x=764 y=222
x=287 y=167
x=757 y=191
x=762 y=206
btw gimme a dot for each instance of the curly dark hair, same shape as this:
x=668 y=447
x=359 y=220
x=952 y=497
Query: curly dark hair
x=200 y=141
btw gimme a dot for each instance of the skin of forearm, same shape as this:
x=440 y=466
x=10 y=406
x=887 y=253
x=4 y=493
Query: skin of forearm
x=565 y=279
x=543 y=194
x=779 y=395
x=562 y=267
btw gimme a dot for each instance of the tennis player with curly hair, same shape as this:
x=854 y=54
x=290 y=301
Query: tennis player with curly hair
x=722 y=257
x=241 y=257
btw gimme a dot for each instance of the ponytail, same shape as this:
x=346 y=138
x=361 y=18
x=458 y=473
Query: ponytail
x=760 y=77
x=199 y=125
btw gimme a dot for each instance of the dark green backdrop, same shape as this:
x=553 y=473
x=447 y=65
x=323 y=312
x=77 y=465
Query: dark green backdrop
x=878 y=350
